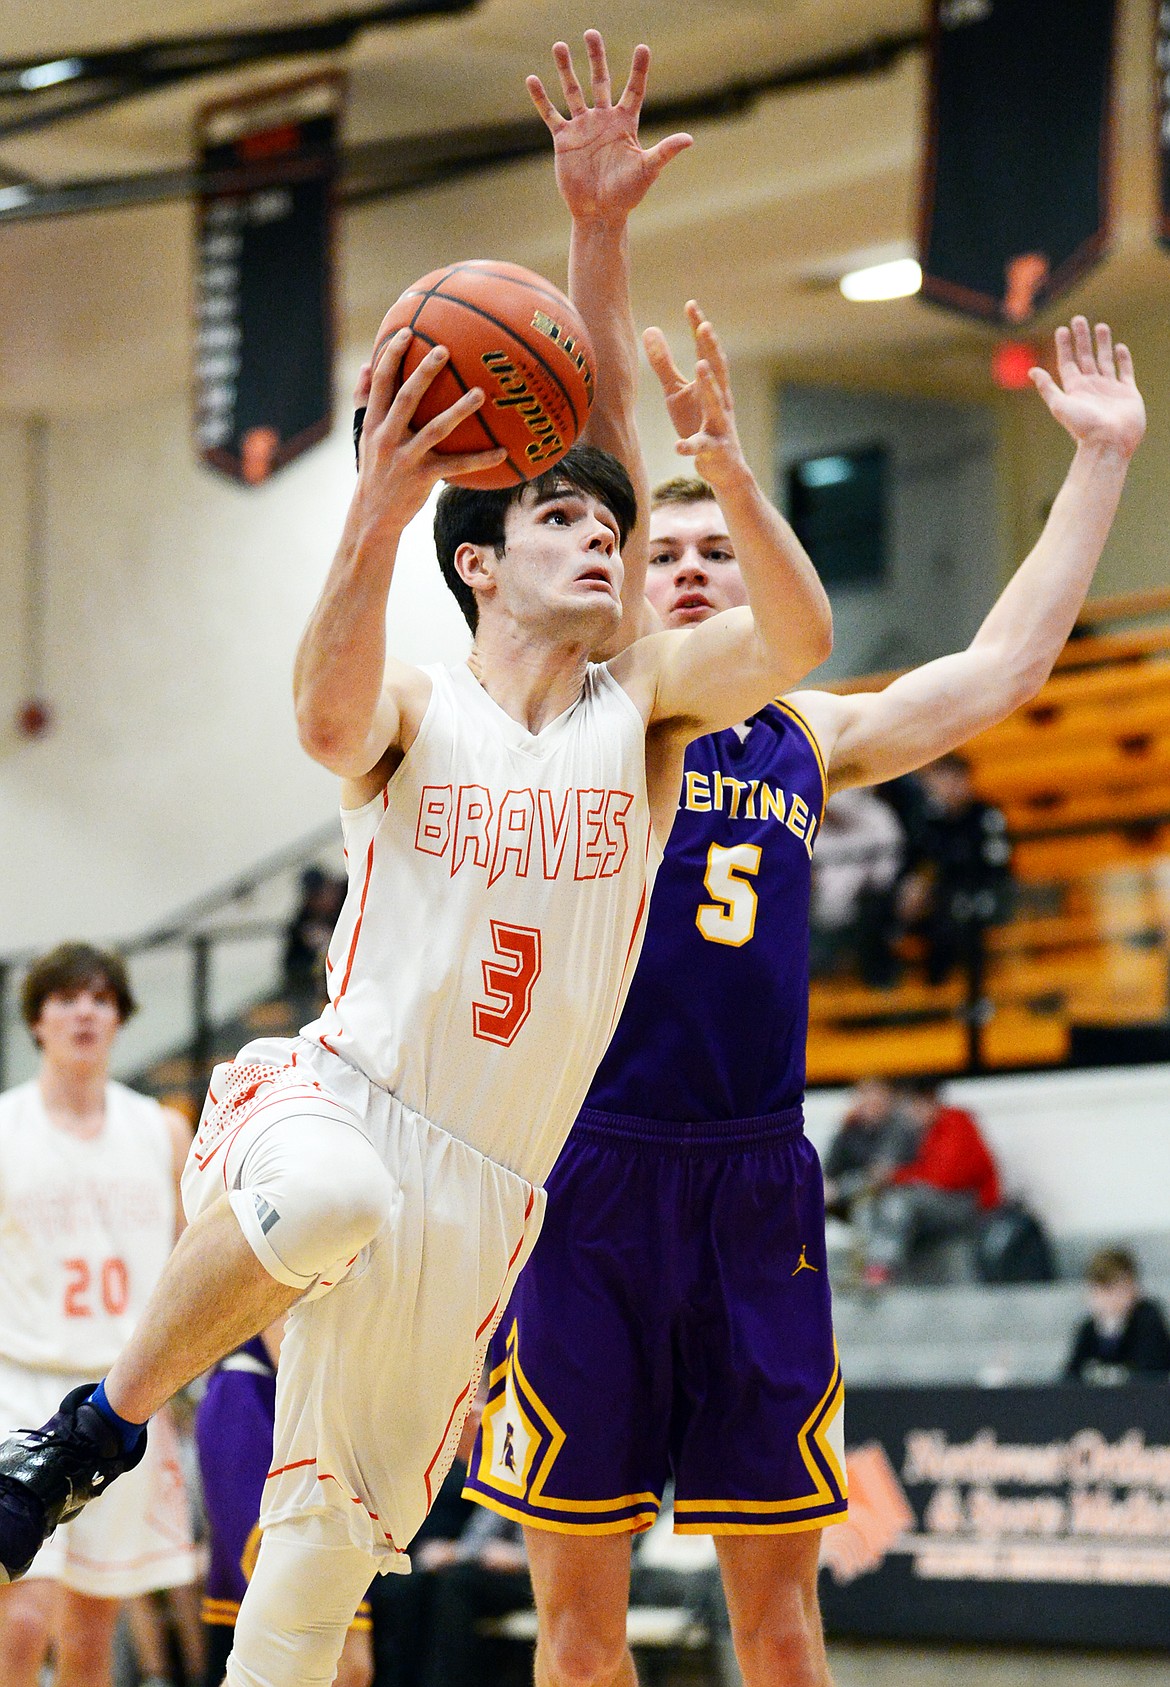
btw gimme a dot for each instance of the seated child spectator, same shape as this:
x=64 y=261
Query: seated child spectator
x=1124 y=1338
x=948 y=1183
x=306 y=941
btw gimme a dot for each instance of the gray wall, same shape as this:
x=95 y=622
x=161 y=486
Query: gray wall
x=942 y=531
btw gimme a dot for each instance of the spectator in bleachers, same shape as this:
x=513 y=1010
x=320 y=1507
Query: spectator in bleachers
x=860 y=852
x=1124 y=1338
x=942 y=1191
x=875 y=1137
x=959 y=878
x=306 y=941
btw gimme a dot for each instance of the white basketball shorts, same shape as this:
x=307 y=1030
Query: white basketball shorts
x=135 y=1537
x=381 y=1358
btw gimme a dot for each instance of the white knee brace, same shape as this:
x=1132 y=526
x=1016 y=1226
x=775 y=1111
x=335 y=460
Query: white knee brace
x=310 y=1194
x=308 y=1582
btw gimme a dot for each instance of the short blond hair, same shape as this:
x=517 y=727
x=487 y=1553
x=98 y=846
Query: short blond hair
x=683 y=489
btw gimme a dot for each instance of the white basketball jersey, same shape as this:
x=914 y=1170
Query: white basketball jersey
x=497 y=898
x=85 y=1228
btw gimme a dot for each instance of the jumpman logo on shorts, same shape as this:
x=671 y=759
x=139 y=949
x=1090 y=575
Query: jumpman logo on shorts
x=509 y=1455
x=802 y=1263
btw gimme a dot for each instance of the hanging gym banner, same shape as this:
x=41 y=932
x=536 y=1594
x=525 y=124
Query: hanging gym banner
x=1038 y=1515
x=264 y=276
x=1162 y=70
x=1016 y=181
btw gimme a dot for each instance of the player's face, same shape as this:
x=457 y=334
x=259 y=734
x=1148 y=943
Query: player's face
x=693 y=572
x=78 y=1027
x=562 y=562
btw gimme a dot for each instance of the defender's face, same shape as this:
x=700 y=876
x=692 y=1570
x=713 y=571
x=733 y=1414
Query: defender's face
x=693 y=572
x=562 y=561
x=78 y=1028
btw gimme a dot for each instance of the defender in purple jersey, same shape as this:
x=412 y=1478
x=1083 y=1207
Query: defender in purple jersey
x=674 y=1316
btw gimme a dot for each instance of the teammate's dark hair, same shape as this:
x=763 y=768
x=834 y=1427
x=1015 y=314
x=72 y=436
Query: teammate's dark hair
x=69 y=968
x=467 y=515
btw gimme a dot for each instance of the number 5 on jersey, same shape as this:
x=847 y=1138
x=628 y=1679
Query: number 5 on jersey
x=508 y=981
x=731 y=917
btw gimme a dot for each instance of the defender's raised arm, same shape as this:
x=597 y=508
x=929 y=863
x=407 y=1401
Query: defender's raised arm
x=873 y=736
x=715 y=674
x=603 y=173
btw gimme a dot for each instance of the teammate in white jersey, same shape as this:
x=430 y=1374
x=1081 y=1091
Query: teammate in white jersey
x=88 y=1214
x=503 y=821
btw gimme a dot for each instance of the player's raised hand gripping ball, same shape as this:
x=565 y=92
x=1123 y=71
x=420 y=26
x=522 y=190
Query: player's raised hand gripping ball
x=517 y=336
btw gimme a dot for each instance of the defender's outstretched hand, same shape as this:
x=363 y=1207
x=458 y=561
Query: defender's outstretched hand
x=1097 y=399
x=602 y=169
x=398 y=466
x=702 y=409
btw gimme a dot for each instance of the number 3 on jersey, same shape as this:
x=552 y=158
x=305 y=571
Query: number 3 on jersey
x=731 y=917
x=508 y=981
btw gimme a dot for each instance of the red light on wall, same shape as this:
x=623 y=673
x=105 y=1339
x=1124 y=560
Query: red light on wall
x=1010 y=362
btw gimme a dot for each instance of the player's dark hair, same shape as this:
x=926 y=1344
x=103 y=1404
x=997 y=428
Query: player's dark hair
x=467 y=515
x=683 y=489
x=69 y=968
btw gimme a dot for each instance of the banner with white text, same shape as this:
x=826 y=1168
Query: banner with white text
x=1037 y=1515
x=264 y=276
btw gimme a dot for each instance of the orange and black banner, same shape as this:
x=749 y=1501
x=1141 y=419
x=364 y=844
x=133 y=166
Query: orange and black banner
x=1162 y=67
x=1017 y=174
x=265 y=276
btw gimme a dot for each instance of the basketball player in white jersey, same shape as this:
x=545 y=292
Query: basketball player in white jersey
x=88 y=1214
x=382 y=1173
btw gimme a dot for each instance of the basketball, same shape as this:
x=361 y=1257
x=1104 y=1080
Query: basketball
x=518 y=337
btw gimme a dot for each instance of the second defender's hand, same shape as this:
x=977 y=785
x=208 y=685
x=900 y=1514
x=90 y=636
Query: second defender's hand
x=702 y=410
x=1097 y=399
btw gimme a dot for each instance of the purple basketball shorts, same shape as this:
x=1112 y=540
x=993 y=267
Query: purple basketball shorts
x=674 y=1321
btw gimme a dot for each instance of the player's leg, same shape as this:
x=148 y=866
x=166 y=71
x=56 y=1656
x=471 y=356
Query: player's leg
x=213 y=1295
x=84 y=1639
x=771 y=1587
x=581 y=1584
x=26 y=1628
x=308 y=1193
x=308 y=1582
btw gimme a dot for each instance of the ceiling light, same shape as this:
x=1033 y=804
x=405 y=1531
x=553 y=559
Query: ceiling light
x=48 y=75
x=896 y=280
x=11 y=198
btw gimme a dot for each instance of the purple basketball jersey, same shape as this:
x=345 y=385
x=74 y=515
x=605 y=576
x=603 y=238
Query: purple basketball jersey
x=715 y=1023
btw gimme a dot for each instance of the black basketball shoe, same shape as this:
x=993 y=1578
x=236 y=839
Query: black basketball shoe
x=48 y=1474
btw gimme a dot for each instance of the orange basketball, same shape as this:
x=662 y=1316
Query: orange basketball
x=514 y=334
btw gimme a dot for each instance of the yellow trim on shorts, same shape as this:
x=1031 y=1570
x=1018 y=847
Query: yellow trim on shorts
x=536 y=1495
x=829 y=1404
x=615 y=1526
x=746 y=1528
x=794 y=714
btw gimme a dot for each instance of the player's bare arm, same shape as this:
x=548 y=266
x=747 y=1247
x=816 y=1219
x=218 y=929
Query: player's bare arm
x=715 y=674
x=358 y=708
x=869 y=737
x=603 y=173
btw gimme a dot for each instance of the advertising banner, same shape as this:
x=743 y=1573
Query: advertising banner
x=1007 y=1514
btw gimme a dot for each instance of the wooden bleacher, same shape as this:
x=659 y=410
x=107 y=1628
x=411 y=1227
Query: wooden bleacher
x=1082 y=774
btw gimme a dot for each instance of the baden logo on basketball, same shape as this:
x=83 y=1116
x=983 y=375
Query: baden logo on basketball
x=546 y=447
